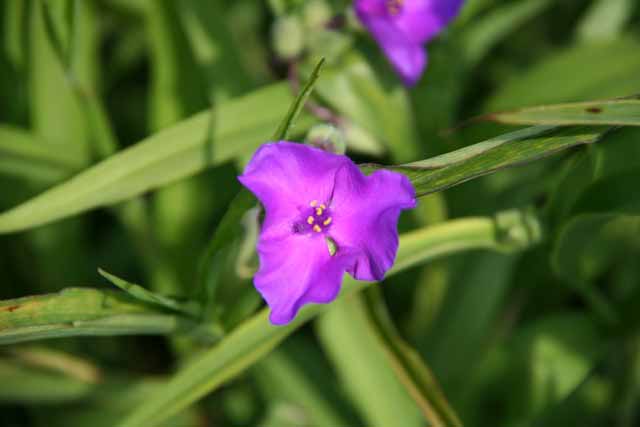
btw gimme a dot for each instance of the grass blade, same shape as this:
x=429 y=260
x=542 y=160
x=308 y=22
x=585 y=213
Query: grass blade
x=621 y=112
x=81 y=312
x=287 y=124
x=513 y=149
x=172 y=154
x=256 y=337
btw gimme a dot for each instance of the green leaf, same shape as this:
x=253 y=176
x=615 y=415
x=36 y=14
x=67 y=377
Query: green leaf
x=622 y=112
x=175 y=153
x=222 y=291
x=147 y=296
x=24 y=155
x=409 y=366
x=41 y=375
x=208 y=30
x=550 y=359
x=355 y=92
x=177 y=89
x=579 y=73
x=55 y=67
x=256 y=337
x=297 y=375
x=81 y=312
x=294 y=111
x=481 y=34
x=512 y=149
x=605 y=20
x=353 y=345
x=603 y=230
x=23 y=384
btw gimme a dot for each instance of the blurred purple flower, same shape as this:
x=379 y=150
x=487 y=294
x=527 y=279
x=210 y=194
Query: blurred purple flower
x=323 y=217
x=401 y=27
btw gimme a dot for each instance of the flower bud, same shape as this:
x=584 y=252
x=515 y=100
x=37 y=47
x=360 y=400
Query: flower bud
x=287 y=37
x=317 y=13
x=327 y=138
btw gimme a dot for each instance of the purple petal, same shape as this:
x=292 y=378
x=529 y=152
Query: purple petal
x=297 y=270
x=366 y=211
x=402 y=27
x=285 y=176
x=421 y=20
x=408 y=58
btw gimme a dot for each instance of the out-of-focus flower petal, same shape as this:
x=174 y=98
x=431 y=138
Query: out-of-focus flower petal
x=421 y=20
x=401 y=27
x=408 y=58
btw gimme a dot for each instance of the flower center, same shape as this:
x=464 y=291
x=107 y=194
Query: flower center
x=315 y=219
x=394 y=6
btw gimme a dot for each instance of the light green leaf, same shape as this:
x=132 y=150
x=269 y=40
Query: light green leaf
x=24 y=155
x=56 y=114
x=603 y=230
x=579 y=73
x=145 y=295
x=81 y=312
x=623 y=112
x=410 y=368
x=41 y=375
x=481 y=34
x=23 y=384
x=353 y=345
x=256 y=337
x=442 y=172
x=605 y=20
x=297 y=375
x=175 y=153
x=294 y=111
x=354 y=91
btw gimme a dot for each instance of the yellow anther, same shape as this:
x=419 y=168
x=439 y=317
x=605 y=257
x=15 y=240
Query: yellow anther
x=319 y=211
x=313 y=203
x=310 y=220
x=327 y=221
x=317 y=228
x=323 y=206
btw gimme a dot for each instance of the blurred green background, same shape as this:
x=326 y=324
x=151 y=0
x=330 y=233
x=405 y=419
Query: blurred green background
x=544 y=336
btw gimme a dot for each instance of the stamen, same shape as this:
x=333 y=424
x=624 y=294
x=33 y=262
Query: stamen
x=327 y=221
x=319 y=211
x=310 y=220
x=317 y=228
x=323 y=206
x=313 y=203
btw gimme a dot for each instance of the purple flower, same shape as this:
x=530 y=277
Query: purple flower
x=322 y=217
x=401 y=27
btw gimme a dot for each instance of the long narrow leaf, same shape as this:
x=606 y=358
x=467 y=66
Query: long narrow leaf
x=170 y=155
x=481 y=159
x=75 y=312
x=622 y=112
x=257 y=337
x=296 y=107
x=25 y=155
